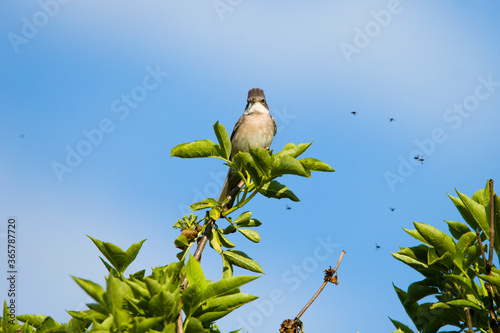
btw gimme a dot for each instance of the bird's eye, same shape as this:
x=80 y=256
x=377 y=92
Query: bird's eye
x=263 y=100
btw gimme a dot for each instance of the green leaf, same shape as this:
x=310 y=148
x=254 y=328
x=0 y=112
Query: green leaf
x=116 y=256
x=224 y=140
x=466 y=240
x=92 y=289
x=116 y=290
x=436 y=238
x=245 y=160
x=195 y=274
x=313 y=164
x=415 y=234
x=262 y=159
x=162 y=303
x=194 y=325
x=494 y=280
x=294 y=150
x=465 y=212
x=215 y=242
x=133 y=250
x=207 y=203
x=48 y=324
x=243 y=218
x=477 y=211
x=274 y=189
x=225 y=286
x=482 y=196
x=214 y=213
x=240 y=259
x=201 y=148
x=419 y=290
x=465 y=303
x=223 y=240
x=219 y=307
x=250 y=234
x=457 y=229
x=401 y=327
x=227 y=269
x=34 y=320
x=144 y=325
x=287 y=165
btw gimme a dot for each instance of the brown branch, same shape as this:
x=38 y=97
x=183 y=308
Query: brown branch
x=328 y=278
x=201 y=246
x=469 y=321
x=206 y=234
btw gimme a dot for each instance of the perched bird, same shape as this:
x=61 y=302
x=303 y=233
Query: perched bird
x=255 y=128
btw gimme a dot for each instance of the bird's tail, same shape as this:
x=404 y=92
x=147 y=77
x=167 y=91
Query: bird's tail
x=230 y=183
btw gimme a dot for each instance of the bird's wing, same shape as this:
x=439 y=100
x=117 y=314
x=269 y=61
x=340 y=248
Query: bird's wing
x=237 y=126
x=275 y=128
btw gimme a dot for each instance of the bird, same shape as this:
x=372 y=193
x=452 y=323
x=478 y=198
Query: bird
x=391 y=119
x=288 y=207
x=377 y=246
x=392 y=208
x=353 y=113
x=256 y=128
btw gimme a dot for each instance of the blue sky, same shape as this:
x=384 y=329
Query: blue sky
x=141 y=78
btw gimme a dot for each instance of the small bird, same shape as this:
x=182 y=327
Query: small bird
x=354 y=113
x=256 y=128
x=288 y=207
x=391 y=119
x=392 y=208
x=377 y=246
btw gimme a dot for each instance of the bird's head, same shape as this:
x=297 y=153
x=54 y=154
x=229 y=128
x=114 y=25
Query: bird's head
x=256 y=101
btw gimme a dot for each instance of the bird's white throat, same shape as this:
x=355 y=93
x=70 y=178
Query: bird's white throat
x=256 y=108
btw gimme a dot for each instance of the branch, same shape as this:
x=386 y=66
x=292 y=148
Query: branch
x=469 y=321
x=329 y=277
x=489 y=264
x=201 y=246
x=208 y=229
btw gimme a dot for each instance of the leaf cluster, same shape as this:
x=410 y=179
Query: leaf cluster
x=454 y=270
x=139 y=303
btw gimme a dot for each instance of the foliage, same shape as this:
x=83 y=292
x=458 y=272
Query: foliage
x=154 y=303
x=455 y=270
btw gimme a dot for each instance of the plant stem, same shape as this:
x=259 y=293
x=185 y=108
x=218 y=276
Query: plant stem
x=211 y=222
x=469 y=321
x=492 y=230
x=320 y=289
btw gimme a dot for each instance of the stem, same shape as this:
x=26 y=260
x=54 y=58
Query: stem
x=211 y=222
x=201 y=246
x=180 y=327
x=492 y=230
x=320 y=288
x=469 y=321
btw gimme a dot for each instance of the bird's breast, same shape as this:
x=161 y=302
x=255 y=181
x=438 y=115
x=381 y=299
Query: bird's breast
x=256 y=131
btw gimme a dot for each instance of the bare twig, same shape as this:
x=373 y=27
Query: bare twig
x=329 y=277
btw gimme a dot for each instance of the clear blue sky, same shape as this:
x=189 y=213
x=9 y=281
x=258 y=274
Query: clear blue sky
x=120 y=83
